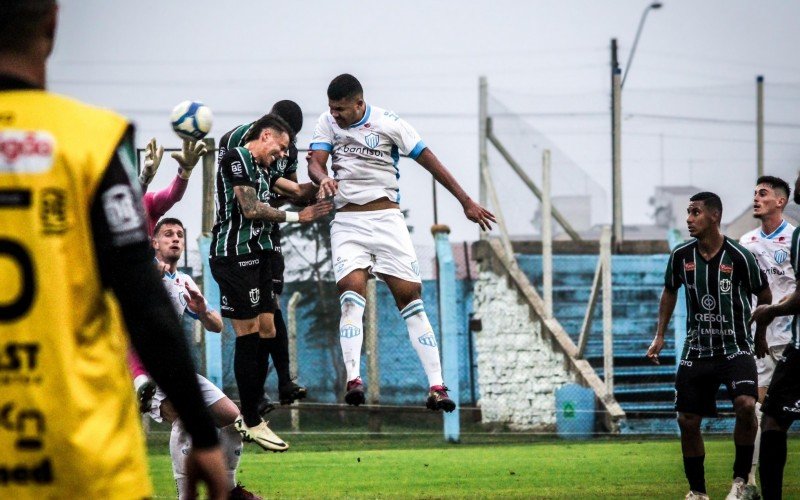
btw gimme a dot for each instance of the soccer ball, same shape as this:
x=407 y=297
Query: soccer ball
x=191 y=120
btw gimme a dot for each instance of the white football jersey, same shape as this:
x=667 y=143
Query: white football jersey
x=773 y=252
x=175 y=283
x=365 y=155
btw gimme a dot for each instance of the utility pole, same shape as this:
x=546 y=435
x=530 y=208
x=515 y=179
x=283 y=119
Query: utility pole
x=616 y=145
x=759 y=126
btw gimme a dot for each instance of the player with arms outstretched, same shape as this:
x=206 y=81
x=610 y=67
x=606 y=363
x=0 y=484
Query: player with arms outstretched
x=283 y=180
x=720 y=277
x=369 y=233
x=240 y=262
x=77 y=273
x=770 y=243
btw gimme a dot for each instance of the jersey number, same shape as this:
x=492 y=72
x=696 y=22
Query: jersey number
x=22 y=303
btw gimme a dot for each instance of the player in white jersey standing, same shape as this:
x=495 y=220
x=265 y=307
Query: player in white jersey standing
x=369 y=233
x=169 y=242
x=771 y=245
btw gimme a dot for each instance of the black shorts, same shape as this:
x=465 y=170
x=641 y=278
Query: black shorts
x=245 y=284
x=698 y=381
x=783 y=395
x=277 y=266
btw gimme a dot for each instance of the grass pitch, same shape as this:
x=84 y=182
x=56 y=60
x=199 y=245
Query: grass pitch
x=481 y=466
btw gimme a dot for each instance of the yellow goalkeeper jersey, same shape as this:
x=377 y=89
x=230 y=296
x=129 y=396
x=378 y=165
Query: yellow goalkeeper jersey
x=69 y=425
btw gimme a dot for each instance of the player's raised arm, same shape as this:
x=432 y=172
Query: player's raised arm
x=320 y=150
x=472 y=210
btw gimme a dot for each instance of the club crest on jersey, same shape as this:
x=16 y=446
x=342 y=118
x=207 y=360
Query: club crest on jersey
x=53 y=210
x=725 y=285
x=726 y=268
x=255 y=296
x=372 y=140
x=428 y=339
x=708 y=302
x=780 y=256
x=689 y=266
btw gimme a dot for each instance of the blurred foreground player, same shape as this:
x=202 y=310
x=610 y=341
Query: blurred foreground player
x=77 y=268
x=720 y=276
x=782 y=402
x=368 y=233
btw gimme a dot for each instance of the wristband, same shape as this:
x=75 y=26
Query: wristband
x=292 y=216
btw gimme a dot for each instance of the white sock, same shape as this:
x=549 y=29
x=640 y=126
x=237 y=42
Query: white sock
x=231 y=443
x=180 y=444
x=422 y=338
x=351 y=332
x=751 y=479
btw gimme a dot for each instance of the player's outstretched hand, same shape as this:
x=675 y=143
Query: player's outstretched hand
x=479 y=215
x=315 y=211
x=327 y=188
x=188 y=156
x=152 y=159
x=207 y=466
x=655 y=349
x=195 y=300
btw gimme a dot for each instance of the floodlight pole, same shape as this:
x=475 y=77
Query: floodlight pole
x=652 y=6
x=483 y=158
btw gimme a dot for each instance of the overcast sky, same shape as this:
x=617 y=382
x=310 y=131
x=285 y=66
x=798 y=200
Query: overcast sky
x=689 y=101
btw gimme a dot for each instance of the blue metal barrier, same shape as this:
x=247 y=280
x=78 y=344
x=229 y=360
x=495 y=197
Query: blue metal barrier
x=448 y=309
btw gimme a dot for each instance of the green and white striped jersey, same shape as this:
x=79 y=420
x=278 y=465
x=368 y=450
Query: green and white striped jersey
x=718 y=293
x=795 y=256
x=233 y=233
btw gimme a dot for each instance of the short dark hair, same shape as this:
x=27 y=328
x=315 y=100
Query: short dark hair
x=710 y=200
x=20 y=22
x=271 y=121
x=344 y=86
x=171 y=221
x=776 y=183
x=289 y=111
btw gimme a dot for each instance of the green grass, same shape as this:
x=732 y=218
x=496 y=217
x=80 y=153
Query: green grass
x=400 y=466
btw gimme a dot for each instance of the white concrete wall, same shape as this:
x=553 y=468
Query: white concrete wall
x=518 y=370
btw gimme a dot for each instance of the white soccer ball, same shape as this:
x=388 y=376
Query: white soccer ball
x=191 y=120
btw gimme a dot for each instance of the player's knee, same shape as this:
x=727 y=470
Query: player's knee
x=407 y=295
x=352 y=304
x=266 y=330
x=689 y=422
x=745 y=407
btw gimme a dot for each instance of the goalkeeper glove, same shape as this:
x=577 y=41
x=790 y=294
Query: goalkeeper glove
x=152 y=158
x=189 y=156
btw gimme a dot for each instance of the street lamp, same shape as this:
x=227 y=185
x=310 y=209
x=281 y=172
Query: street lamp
x=652 y=6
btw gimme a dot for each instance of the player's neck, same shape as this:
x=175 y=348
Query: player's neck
x=24 y=68
x=770 y=223
x=711 y=243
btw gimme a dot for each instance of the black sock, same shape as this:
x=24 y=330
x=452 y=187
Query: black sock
x=743 y=461
x=773 y=460
x=695 y=473
x=279 y=349
x=245 y=369
x=263 y=361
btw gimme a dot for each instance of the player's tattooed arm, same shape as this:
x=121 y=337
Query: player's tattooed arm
x=666 y=306
x=252 y=208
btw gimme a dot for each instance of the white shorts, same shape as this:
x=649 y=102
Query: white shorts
x=377 y=240
x=766 y=365
x=210 y=392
